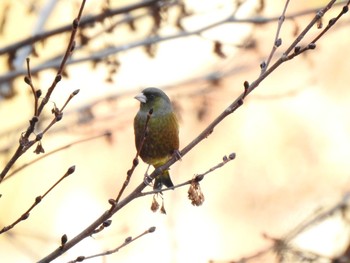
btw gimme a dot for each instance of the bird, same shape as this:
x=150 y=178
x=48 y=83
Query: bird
x=161 y=140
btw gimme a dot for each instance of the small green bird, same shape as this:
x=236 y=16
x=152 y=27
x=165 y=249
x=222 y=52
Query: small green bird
x=162 y=140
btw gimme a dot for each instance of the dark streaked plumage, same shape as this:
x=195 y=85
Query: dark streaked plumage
x=162 y=139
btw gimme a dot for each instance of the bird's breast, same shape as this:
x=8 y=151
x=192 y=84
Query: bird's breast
x=162 y=137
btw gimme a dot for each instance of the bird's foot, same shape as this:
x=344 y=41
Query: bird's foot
x=147 y=180
x=177 y=155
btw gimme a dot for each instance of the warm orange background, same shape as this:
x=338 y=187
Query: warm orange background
x=291 y=138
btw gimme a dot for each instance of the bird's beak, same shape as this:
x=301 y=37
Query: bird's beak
x=141 y=98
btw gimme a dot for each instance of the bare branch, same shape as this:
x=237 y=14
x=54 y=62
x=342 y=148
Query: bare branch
x=135 y=161
x=127 y=241
x=100 y=54
x=86 y=21
x=281 y=246
x=55 y=151
x=24 y=143
x=278 y=40
x=204 y=134
x=28 y=80
x=197 y=178
x=38 y=199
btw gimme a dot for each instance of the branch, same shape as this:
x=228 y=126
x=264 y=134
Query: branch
x=43 y=16
x=278 y=40
x=98 y=55
x=85 y=22
x=280 y=245
x=54 y=151
x=38 y=199
x=204 y=134
x=24 y=142
x=36 y=94
x=135 y=161
x=197 y=178
x=127 y=241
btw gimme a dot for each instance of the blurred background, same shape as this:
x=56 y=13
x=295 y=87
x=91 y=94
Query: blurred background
x=291 y=136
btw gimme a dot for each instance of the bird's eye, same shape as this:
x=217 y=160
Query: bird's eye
x=151 y=97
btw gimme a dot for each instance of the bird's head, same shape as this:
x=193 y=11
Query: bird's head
x=156 y=99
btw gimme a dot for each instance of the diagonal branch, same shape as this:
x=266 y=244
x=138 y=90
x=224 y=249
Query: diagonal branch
x=85 y=22
x=24 y=142
x=98 y=55
x=38 y=199
x=204 y=134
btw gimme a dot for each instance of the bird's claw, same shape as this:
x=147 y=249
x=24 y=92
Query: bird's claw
x=177 y=155
x=147 y=180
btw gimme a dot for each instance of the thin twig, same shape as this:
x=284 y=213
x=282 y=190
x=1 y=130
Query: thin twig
x=278 y=40
x=312 y=45
x=69 y=50
x=280 y=245
x=24 y=143
x=344 y=10
x=100 y=54
x=55 y=151
x=58 y=113
x=127 y=241
x=29 y=81
x=204 y=134
x=85 y=22
x=316 y=18
x=38 y=199
x=196 y=178
x=339 y=207
x=135 y=161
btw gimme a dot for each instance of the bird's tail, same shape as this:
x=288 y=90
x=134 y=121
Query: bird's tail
x=163 y=179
